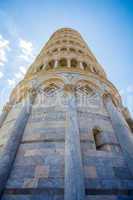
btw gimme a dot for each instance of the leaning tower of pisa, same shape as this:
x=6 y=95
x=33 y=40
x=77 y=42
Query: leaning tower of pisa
x=64 y=134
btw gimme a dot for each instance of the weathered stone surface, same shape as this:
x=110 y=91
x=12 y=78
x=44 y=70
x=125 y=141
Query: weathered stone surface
x=10 y=149
x=122 y=131
x=74 y=183
x=59 y=152
x=90 y=172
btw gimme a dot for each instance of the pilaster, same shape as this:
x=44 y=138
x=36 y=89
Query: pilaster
x=10 y=149
x=74 y=181
x=122 y=131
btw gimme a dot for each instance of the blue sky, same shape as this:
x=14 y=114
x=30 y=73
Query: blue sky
x=106 y=25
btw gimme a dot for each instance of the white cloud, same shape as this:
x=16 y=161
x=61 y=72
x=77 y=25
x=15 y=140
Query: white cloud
x=23 y=69
x=4 y=47
x=26 y=50
x=19 y=75
x=1 y=75
x=11 y=82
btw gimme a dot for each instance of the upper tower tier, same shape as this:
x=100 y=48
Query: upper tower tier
x=66 y=49
x=65 y=54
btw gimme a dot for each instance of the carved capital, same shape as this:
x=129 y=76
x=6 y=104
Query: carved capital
x=7 y=107
x=32 y=91
x=108 y=97
x=68 y=88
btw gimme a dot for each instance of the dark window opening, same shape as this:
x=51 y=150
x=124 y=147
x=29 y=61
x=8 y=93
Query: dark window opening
x=63 y=49
x=74 y=63
x=85 y=66
x=72 y=50
x=63 y=63
x=41 y=67
x=97 y=137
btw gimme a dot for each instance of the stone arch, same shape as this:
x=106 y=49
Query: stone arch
x=40 y=67
x=62 y=62
x=55 y=50
x=49 y=89
x=80 y=51
x=84 y=88
x=74 y=63
x=95 y=70
x=20 y=92
x=97 y=134
x=63 y=49
x=86 y=94
x=72 y=50
x=85 y=66
x=50 y=65
x=106 y=95
x=64 y=41
x=83 y=82
x=71 y=42
x=56 y=81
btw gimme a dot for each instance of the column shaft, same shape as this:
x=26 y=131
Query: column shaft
x=81 y=65
x=4 y=114
x=122 y=131
x=74 y=181
x=3 y=117
x=56 y=64
x=69 y=63
x=10 y=150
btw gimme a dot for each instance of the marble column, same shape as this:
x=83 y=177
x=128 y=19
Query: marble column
x=122 y=131
x=4 y=113
x=74 y=179
x=56 y=64
x=69 y=63
x=10 y=149
x=81 y=65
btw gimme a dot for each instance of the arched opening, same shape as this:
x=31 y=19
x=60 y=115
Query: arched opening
x=74 y=63
x=58 y=42
x=72 y=50
x=71 y=42
x=51 y=89
x=97 y=138
x=64 y=41
x=85 y=65
x=85 y=94
x=50 y=65
x=81 y=52
x=55 y=50
x=63 y=49
x=85 y=89
x=40 y=67
x=95 y=70
x=63 y=62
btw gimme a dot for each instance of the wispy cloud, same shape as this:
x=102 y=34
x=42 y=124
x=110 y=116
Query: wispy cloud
x=17 y=76
x=20 y=74
x=23 y=70
x=26 y=55
x=26 y=50
x=4 y=47
x=1 y=75
x=11 y=82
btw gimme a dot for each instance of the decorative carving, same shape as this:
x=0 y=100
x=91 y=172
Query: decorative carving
x=31 y=91
x=7 y=107
x=68 y=88
x=70 y=76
